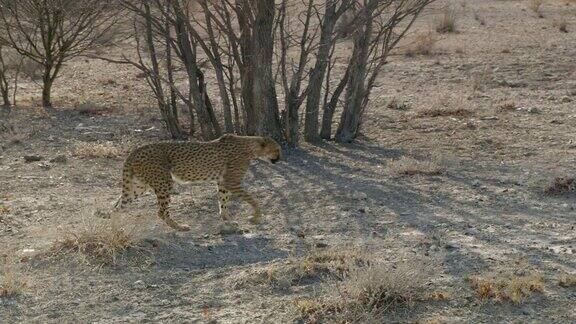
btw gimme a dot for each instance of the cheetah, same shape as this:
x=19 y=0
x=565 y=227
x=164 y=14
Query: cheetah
x=224 y=160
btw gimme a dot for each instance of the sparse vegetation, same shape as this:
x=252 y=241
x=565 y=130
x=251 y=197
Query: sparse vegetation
x=562 y=25
x=11 y=283
x=89 y=108
x=567 y=280
x=507 y=105
x=93 y=150
x=423 y=44
x=446 y=22
x=103 y=241
x=397 y=104
x=561 y=185
x=507 y=287
x=406 y=166
x=368 y=293
x=536 y=7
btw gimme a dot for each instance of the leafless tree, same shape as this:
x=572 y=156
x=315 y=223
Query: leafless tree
x=267 y=59
x=51 y=32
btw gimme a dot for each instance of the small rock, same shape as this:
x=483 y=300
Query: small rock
x=362 y=210
x=475 y=183
x=44 y=166
x=566 y=99
x=32 y=158
x=489 y=118
x=533 y=110
x=321 y=245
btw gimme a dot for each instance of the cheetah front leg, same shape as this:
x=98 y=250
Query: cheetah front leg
x=223 y=199
x=238 y=191
x=164 y=214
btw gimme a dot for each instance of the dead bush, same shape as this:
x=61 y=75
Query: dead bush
x=536 y=7
x=561 y=185
x=423 y=44
x=367 y=293
x=567 y=280
x=103 y=241
x=446 y=22
x=506 y=287
x=406 y=166
x=93 y=150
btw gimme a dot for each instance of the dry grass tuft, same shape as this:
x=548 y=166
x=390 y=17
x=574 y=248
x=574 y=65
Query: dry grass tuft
x=562 y=25
x=11 y=283
x=507 y=105
x=423 y=44
x=561 y=185
x=515 y=288
x=536 y=7
x=331 y=263
x=367 y=293
x=406 y=166
x=4 y=209
x=103 y=241
x=445 y=106
x=446 y=22
x=89 y=108
x=396 y=104
x=567 y=280
x=92 y=150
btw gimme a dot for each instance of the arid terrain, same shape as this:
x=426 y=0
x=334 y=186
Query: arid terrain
x=455 y=205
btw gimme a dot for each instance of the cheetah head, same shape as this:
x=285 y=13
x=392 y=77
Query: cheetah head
x=267 y=148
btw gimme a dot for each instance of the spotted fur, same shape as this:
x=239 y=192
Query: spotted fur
x=224 y=160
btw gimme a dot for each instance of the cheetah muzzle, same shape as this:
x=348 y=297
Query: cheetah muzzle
x=224 y=161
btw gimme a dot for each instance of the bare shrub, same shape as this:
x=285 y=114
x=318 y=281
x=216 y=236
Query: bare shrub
x=423 y=44
x=503 y=287
x=367 y=293
x=4 y=209
x=446 y=22
x=11 y=282
x=103 y=240
x=536 y=7
x=567 y=280
x=92 y=150
x=561 y=185
x=406 y=166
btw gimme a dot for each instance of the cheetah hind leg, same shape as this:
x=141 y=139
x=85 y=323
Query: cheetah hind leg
x=132 y=188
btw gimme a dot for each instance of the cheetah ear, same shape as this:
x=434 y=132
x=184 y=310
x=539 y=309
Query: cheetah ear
x=263 y=143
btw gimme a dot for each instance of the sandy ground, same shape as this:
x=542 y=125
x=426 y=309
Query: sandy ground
x=486 y=213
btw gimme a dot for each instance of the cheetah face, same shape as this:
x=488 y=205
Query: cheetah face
x=268 y=149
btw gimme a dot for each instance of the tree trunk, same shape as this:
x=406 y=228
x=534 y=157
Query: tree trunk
x=351 y=114
x=264 y=91
x=246 y=69
x=330 y=108
x=47 y=90
x=317 y=74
